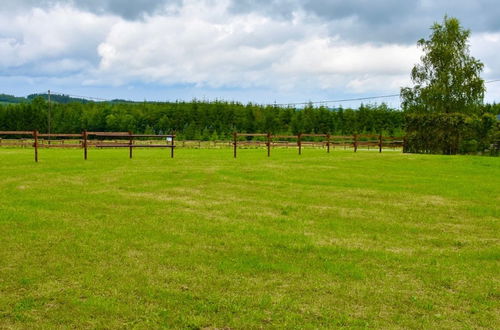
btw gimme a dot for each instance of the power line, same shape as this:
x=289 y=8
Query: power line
x=356 y=99
x=340 y=100
x=79 y=96
x=278 y=104
x=84 y=97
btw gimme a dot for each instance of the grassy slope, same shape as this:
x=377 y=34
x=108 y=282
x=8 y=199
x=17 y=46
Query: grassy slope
x=204 y=240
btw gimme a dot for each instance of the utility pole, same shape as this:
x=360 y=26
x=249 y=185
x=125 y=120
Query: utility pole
x=49 y=114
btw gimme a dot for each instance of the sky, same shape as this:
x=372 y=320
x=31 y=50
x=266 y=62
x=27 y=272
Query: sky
x=261 y=51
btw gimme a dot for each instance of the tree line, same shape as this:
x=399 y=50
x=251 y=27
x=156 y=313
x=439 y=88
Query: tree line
x=199 y=120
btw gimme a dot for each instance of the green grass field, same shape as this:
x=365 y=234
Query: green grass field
x=320 y=240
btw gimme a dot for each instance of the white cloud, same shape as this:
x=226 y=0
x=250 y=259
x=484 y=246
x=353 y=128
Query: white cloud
x=485 y=47
x=206 y=44
x=61 y=33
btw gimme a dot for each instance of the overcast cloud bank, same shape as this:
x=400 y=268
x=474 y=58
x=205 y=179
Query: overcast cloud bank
x=292 y=50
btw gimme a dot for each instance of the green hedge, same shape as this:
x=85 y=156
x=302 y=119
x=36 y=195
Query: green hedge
x=450 y=133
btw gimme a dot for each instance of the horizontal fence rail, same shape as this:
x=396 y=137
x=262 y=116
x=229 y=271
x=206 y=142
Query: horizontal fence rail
x=34 y=134
x=326 y=140
x=86 y=140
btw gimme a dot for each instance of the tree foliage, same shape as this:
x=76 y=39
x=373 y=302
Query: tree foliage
x=448 y=78
x=450 y=133
x=199 y=120
x=444 y=111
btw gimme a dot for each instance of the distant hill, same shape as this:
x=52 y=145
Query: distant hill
x=63 y=99
x=56 y=98
x=11 y=99
x=6 y=99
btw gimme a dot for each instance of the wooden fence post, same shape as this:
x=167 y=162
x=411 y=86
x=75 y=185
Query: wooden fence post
x=35 y=144
x=328 y=143
x=355 y=142
x=235 y=143
x=172 y=148
x=380 y=143
x=299 y=143
x=268 y=144
x=84 y=135
x=130 y=141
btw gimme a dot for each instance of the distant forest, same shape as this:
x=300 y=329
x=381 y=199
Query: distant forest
x=198 y=120
x=63 y=99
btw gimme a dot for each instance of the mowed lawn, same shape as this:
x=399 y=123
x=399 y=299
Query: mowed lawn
x=320 y=240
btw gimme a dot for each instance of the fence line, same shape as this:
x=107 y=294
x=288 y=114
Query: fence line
x=87 y=140
x=356 y=140
x=86 y=143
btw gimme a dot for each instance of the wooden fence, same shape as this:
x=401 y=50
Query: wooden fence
x=326 y=140
x=86 y=140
